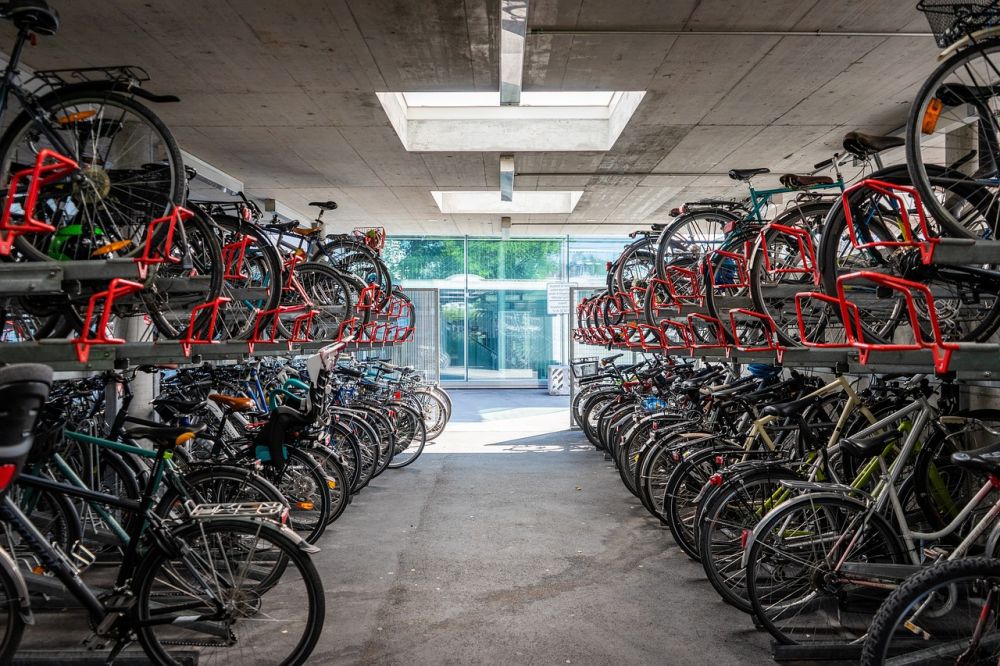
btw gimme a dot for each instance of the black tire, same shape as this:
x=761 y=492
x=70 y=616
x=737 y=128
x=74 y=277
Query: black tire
x=409 y=427
x=12 y=617
x=785 y=618
x=896 y=610
x=985 y=223
x=293 y=598
x=686 y=482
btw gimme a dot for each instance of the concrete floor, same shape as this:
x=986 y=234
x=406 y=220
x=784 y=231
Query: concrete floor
x=512 y=541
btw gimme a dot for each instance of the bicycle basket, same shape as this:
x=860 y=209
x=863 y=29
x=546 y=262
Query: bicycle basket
x=50 y=435
x=950 y=20
x=373 y=237
x=584 y=367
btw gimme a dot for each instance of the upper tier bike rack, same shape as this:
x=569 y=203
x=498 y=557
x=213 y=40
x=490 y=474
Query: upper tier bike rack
x=96 y=333
x=49 y=167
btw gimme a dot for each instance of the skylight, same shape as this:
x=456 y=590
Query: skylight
x=524 y=202
x=478 y=99
x=475 y=121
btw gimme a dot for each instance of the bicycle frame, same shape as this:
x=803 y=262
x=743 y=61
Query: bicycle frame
x=8 y=86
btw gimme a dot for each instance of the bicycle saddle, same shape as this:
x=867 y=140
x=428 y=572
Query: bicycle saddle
x=985 y=460
x=325 y=205
x=33 y=15
x=178 y=405
x=306 y=231
x=869 y=446
x=163 y=435
x=234 y=402
x=281 y=227
x=864 y=145
x=746 y=174
x=800 y=182
x=793 y=408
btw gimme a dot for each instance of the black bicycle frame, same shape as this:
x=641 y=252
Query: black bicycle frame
x=56 y=562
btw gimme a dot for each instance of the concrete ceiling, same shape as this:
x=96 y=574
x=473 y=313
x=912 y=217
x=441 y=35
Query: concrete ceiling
x=282 y=95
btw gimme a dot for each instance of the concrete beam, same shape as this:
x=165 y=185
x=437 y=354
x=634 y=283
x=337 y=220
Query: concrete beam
x=513 y=24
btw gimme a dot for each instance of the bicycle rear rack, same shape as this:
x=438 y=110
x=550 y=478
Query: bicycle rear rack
x=49 y=167
x=98 y=334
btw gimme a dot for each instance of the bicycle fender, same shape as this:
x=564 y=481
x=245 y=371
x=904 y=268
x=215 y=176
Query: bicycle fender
x=795 y=501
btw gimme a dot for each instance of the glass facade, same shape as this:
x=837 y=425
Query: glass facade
x=494 y=319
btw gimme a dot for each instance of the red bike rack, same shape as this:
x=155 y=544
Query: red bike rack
x=714 y=325
x=806 y=250
x=684 y=285
x=347 y=330
x=161 y=255
x=49 y=167
x=941 y=350
x=681 y=339
x=770 y=342
x=300 y=325
x=657 y=344
x=117 y=288
x=369 y=297
x=925 y=245
x=192 y=338
x=840 y=308
x=233 y=256
x=740 y=259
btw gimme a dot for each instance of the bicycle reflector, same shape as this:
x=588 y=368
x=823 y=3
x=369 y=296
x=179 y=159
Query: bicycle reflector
x=7 y=475
x=931 y=115
x=715 y=480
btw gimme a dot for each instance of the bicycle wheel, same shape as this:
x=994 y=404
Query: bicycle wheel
x=635 y=267
x=434 y=412
x=690 y=236
x=793 y=568
x=411 y=436
x=725 y=520
x=130 y=167
x=221 y=596
x=306 y=488
x=684 y=485
x=324 y=291
x=336 y=480
x=945 y=614
x=952 y=129
x=344 y=442
x=11 y=613
x=347 y=254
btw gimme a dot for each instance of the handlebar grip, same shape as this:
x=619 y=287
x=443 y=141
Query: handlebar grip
x=824 y=164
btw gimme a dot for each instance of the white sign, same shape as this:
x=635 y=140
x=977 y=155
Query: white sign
x=557 y=297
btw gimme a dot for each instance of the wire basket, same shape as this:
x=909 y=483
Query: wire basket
x=950 y=20
x=373 y=237
x=585 y=367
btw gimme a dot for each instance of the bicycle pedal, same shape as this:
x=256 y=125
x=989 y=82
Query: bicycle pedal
x=935 y=553
x=82 y=556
